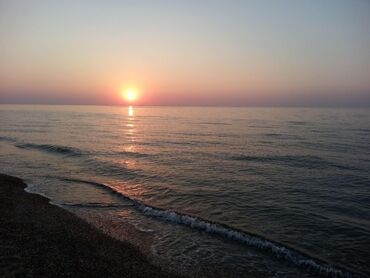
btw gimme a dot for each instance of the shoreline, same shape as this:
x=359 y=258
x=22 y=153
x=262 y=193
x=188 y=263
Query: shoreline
x=38 y=239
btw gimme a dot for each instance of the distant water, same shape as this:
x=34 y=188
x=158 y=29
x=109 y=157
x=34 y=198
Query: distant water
x=268 y=191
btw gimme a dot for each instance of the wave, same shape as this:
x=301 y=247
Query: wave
x=280 y=251
x=94 y=205
x=56 y=149
x=132 y=154
x=297 y=122
x=7 y=139
x=191 y=143
x=212 y=123
x=299 y=161
x=281 y=135
x=114 y=168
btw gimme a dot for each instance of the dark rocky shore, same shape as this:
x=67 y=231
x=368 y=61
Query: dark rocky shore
x=41 y=240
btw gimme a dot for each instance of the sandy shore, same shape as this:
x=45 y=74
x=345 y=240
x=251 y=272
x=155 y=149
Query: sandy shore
x=41 y=240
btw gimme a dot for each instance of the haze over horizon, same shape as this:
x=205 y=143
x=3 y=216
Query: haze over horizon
x=239 y=53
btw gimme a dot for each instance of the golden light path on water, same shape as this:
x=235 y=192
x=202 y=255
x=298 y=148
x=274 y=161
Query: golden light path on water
x=130 y=111
x=130 y=126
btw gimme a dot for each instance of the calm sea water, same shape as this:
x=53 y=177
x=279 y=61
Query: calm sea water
x=276 y=192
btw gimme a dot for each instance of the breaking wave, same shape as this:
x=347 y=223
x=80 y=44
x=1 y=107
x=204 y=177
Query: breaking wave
x=278 y=250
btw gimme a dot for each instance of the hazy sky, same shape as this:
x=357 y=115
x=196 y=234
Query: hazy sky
x=186 y=52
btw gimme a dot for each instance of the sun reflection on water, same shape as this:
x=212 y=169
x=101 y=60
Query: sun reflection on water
x=130 y=111
x=130 y=130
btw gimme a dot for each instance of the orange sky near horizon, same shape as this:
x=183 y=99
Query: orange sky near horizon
x=184 y=53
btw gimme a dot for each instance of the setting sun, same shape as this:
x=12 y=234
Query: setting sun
x=130 y=95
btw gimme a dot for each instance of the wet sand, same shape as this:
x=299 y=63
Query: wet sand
x=38 y=239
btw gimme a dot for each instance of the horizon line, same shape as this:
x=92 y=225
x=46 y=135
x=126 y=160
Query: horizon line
x=200 y=106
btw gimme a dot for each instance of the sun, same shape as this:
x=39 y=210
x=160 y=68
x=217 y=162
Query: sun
x=130 y=95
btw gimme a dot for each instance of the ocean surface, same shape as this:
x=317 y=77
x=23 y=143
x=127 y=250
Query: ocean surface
x=274 y=192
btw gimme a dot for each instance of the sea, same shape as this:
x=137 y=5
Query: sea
x=207 y=191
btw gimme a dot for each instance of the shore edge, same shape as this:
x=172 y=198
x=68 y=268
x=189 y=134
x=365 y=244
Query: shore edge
x=38 y=239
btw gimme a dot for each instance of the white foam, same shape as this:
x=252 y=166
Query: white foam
x=225 y=231
x=251 y=240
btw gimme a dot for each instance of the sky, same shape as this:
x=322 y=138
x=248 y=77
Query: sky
x=223 y=53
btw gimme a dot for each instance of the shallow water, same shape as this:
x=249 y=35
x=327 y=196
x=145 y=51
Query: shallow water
x=279 y=192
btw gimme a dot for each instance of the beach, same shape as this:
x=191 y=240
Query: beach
x=199 y=139
x=38 y=239
x=220 y=191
